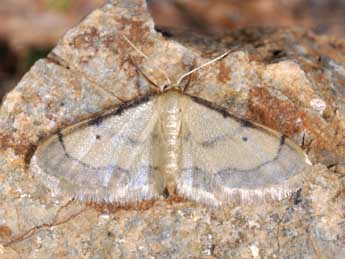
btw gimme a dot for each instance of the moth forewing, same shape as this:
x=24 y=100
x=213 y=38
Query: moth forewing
x=224 y=155
x=107 y=159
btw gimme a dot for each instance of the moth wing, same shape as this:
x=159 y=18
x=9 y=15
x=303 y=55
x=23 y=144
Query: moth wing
x=223 y=155
x=110 y=158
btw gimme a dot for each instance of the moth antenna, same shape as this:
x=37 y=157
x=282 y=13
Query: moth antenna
x=188 y=84
x=142 y=72
x=204 y=65
x=148 y=59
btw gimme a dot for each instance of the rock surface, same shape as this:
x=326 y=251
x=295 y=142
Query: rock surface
x=321 y=16
x=287 y=79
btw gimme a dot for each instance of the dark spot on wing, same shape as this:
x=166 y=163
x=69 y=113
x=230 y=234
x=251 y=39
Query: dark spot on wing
x=98 y=137
x=247 y=124
x=132 y=141
x=245 y=139
x=96 y=121
x=212 y=142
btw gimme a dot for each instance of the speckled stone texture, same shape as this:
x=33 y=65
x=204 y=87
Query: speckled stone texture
x=287 y=79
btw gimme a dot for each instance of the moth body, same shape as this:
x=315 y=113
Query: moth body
x=170 y=123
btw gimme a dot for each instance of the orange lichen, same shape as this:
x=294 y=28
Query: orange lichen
x=86 y=39
x=224 y=73
x=20 y=147
x=113 y=207
x=5 y=231
x=280 y=115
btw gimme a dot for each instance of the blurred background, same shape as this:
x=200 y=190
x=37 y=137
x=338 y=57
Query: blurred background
x=30 y=28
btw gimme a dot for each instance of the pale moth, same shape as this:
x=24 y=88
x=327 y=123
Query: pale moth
x=168 y=143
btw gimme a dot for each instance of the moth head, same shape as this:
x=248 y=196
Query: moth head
x=178 y=86
x=169 y=84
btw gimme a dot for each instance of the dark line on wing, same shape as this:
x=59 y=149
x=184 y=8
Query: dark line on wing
x=281 y=144
x=121 y=108
x=213 y=141
x=222 y=111
x=97 y=121
x=60 y=138
x=244 y=123
x=200 y=177
x=282 y=140
x=62 y=142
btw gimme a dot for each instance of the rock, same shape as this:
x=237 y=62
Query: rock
x=218 y=15
x=287 y=79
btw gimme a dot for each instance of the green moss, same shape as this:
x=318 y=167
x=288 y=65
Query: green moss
x=58 y=5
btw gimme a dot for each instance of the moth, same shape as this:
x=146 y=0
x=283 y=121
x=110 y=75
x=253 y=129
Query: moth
x=172 y=143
